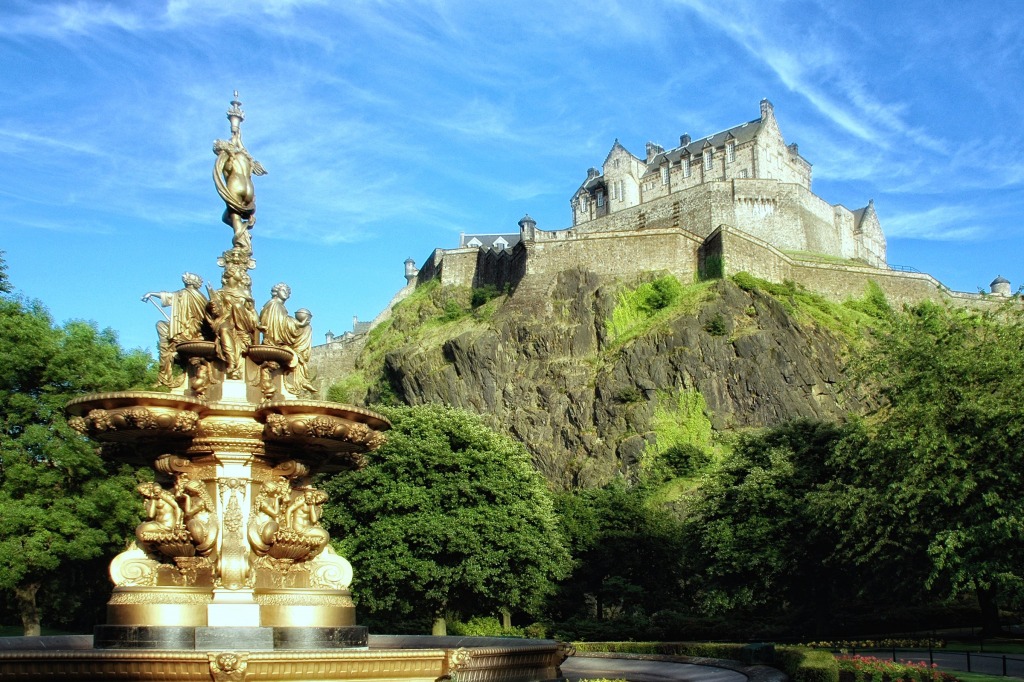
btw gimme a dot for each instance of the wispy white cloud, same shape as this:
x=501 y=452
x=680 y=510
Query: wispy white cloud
x=939 y=223
x=816 y=70
x=61 y=19
x=12 y=141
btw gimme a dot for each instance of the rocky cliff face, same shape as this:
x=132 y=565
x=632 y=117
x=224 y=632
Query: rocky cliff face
x=542 y=364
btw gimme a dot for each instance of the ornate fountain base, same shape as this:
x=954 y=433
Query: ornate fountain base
x=388 y=659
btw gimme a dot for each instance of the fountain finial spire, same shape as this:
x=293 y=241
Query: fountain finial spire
x=232 y=175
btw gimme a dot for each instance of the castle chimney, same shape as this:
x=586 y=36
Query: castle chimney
x=592 y=173
x=410 y=270
x=766 y=109
x=330 y=336
x=684 y=139
x=653 y=150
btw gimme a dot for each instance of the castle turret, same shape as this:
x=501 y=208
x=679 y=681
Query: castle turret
x=1000 y=286
x=527 y=228
x=410 y=270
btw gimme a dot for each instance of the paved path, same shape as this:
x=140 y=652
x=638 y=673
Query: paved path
x=583 y=667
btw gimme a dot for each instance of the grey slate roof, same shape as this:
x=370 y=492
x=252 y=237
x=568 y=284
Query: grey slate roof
x=741 y=133
x=489 y=241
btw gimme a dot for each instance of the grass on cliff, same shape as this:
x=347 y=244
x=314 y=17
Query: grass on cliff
x=685 y=445
x=641 y=308
x=850 y=318
x=429 y=316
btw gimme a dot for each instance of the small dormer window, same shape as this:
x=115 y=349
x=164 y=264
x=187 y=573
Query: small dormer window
x=685 y=163
x=730 y=151
x=500 y=243
x=664 y=174
x=474 y=242
x=707 y=159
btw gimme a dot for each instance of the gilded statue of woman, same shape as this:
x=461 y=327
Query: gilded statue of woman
x=292 y=333
x=232 y=175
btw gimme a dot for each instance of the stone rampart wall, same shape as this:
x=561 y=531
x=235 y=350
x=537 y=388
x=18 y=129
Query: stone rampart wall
x=617 y=254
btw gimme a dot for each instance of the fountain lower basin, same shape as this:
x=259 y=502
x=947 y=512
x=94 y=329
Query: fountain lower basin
x=388 y=658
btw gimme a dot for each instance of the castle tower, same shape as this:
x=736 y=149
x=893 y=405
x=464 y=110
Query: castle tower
x=527 y=228
x=410 y=270
x=1000 y=286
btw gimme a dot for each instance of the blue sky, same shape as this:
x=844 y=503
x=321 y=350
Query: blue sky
x=387 y=128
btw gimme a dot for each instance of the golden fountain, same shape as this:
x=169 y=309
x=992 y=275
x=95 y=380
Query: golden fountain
x=231 y=576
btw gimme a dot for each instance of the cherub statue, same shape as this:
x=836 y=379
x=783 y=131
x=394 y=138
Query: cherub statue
x=269 y=508
x=304 y=518
x=165 y=518
x=197 y=513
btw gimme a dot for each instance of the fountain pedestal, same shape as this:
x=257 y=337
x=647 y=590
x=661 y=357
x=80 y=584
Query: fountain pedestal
x=233 y=538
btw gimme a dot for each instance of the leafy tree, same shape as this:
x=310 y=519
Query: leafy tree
x=628 y=558
x=935 y=476
x=755 y=536
x=59 y=503
x=5 y=283
x=447 y=517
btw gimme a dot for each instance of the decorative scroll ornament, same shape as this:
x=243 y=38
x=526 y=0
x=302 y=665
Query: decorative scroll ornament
x=133 y=568
x=330 y=571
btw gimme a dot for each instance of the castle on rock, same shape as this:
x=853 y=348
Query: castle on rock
x=739 y=200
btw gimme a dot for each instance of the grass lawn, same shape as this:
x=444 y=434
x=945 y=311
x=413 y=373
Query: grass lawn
x=999 y=645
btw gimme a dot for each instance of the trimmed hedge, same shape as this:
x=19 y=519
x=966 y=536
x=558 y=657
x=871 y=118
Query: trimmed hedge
x=732 y=652
x=807 y=665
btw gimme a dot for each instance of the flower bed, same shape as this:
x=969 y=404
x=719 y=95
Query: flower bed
x=871 y=669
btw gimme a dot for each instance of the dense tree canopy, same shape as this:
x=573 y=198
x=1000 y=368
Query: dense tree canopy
x=60 y=504
x=627 y=560
x=754 y=532
x=448 y=517
x=937 y=473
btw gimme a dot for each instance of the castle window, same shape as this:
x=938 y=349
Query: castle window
x=730 y=151
x=685 y=162
x=583 y=202
x=615 y=163
x=664 y=174
x=744 y=173
x=707 y=159
x=600 y=199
